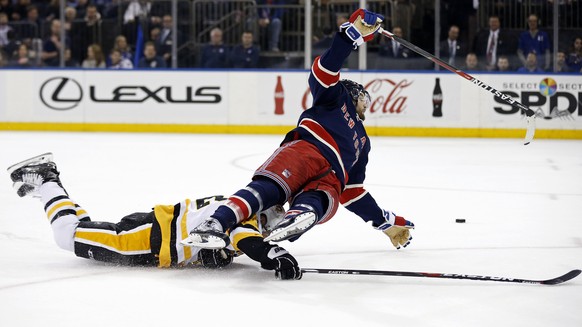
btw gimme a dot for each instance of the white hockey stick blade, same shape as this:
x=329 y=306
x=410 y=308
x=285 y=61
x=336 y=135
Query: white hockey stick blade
x=531 y=129
x=42 y=158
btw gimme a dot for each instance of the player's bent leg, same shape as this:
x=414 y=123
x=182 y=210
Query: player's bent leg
x=125 y=243
x=293 y=226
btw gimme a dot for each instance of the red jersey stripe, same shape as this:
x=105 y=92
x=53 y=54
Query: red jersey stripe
x=323 y=136
x=351 y=195
x=325 y=77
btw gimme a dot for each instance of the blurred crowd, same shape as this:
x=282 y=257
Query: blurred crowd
x=128 y=34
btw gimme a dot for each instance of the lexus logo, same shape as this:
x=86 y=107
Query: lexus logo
x=61 y=93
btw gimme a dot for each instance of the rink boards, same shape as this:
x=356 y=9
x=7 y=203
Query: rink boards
x=198 y=101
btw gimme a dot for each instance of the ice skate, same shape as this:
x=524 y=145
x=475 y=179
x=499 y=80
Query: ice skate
x=30 y=174
x=208 y=235
x=292 y=227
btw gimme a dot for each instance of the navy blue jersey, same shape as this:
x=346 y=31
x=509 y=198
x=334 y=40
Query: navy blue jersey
x=332 y=124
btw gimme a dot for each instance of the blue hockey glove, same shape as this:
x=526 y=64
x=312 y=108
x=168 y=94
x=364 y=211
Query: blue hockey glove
x=361 y=26
x=397 y=229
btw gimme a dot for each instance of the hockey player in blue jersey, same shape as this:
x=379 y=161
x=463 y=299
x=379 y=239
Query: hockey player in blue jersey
x=154 y=238
x=321 y=162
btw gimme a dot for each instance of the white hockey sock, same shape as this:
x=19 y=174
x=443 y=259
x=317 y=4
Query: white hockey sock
x=62 y=214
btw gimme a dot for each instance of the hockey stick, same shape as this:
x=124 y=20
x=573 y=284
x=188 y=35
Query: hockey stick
x=554 y=281
x=529 y=114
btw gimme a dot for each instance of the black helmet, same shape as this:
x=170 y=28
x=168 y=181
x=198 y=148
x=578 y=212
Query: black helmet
x=354 y=89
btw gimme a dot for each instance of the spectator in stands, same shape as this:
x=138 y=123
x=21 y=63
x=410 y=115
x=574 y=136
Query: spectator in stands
x=52 y=45
x=574 y=59
x=11 y=48
x=137 y=9
x=164 y=42
x=95 y=57
x=393 y=49
x=459 y=13
x=561 y=65
x=23 y=58
x=270 y=22
x=215 y=53
x=32 y=27
x=472 y=62
x=20 y=10
x=531 y=65
x=123 y=47
x=452 y=48
x=503 y=64
x=70 y=16
x=402 y=12
x=155 y=37
x=150 y=58
x=490 y=44
x=7 y=8
x=110 y=9
x=534 y=41
x=92 y=15
x=86 y=33
x=52 y=11
x=118 y=62
x=4 y=29
x=69 y=60
x=82 y=6
x=246 y=54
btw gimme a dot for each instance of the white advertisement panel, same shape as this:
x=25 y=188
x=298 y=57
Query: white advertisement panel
x=556 y=100
x=277 y=98
x=129 y=97
x=161 y=97
x=397 y=99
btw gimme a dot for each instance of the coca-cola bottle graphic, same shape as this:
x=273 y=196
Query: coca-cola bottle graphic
x=279 y=97
x=437 y=99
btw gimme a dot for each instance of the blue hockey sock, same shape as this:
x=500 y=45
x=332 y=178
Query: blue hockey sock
x=309 y=201
x=260 y=194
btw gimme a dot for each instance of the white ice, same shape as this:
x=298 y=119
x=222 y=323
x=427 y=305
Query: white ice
x=522 y=204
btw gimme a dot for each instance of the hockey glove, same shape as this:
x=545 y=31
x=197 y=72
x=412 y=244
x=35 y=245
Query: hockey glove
x=361 y=26
x=285 y=266
x=397 y=229
x=215 y=258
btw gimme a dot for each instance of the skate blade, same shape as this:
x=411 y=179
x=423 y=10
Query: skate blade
x=206 y=242
x=300 y=226
x=43 y=158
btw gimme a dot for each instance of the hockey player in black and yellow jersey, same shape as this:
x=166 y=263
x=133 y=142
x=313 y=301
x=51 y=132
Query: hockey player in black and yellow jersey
x=155 y=238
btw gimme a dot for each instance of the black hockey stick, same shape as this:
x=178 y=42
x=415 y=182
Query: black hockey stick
x=553 y=281
x=529 y=114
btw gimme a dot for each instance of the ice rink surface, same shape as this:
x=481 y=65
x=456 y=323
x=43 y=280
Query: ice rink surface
x=522 y=204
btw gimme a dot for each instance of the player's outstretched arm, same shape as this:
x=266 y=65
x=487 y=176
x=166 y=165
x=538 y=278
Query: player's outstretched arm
x=325 y=71
x=357 y=200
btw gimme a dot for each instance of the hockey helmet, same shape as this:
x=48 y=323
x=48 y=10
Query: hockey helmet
x=269 y=218
x=356 y=92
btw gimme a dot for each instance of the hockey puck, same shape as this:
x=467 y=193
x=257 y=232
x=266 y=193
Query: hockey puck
x=460 y=220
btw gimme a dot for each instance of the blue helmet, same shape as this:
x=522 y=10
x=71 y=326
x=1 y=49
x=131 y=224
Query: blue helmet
x=355 y=90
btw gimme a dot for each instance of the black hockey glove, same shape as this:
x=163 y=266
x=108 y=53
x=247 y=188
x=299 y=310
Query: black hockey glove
x=215 y=258
x=284 y=264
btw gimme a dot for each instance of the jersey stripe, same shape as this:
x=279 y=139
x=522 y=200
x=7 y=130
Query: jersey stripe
x=184 y=252
x=164 y=215
x=135 y=241
x=324 y=76
x=315 y=129
x=352 y=193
